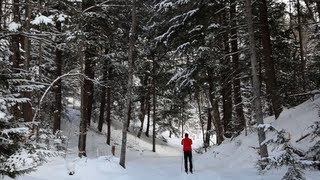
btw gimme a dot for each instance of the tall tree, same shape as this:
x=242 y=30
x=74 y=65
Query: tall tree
x=86 y=57
x=302 y=58
x=256 y=82
x=27 y=108
x=58 y=85
x=215 y=109
x=270 y=75
x=236 y=82
x=226 y=77
x=132 y=38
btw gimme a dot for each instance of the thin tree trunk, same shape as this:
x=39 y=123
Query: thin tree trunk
x=270 y=75
x=236 y=68
x=129 y=116
x=143 y=104
x=130 y=84
x=154 y=106
x=318 y=8
x=85 y=69
x=226 y=86
x=57 y=88
x=256 y=83
x=148 y=115
x=16 y=57
x=215 y=108
x=200 y=118
x=15 y=48
x=303 y=62
x=209 y=126
x=1 y=14
x=90 y=91
x=103 y=98
x=26 y=107
x=108 y=118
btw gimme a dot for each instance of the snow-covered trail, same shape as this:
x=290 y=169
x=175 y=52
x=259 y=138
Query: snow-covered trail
x=156 y=167
x=141 y=162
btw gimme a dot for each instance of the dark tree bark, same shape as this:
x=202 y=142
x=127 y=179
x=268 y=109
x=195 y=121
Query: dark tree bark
x=85 y=88
x=129 y=116
x=1 y=14
x=130 y=84
x=148 y=114
x=90 y=90
x=154 y=117
x=26 y=107
x=197 y=95
x=255 y=82
x=318 y=8
x=236 y=68
x=108 y=118
x=57 y=88
x=16 y=57
x=226 y=84
x=270 y=75
x=103 y=98
x=215 y=109
x=302 y=59
x=209 y=126
x=143 y=102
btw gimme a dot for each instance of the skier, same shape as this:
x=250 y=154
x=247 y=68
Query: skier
x=187 y=151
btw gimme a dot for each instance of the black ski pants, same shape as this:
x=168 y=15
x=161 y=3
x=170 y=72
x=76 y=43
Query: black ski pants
x=187 y=155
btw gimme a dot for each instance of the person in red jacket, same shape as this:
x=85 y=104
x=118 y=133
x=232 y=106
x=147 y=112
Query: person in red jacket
x=187 y=151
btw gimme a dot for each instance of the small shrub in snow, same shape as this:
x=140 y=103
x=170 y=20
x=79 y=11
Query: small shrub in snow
x=23 y=148
x=294 y=173
x=284 y=154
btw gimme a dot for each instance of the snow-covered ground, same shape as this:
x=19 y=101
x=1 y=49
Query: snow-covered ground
x=234 y=159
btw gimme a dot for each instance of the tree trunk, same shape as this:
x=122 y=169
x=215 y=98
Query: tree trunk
x=303 y=62
x=270 y=75
x=318 y=8
x=85 y=88
x=1 y=14
x=200 y=118
x=154 y=105
x=209 y=126
x=57 y=88
x=226 y=84
x=148 y=115
x=26 y=107
x=129 y=116
x=256 y=83
x=102 y=103
x=130 y=84
x=143 y=101
x=215 y=108
x=236 y=68
x=15 y=58
x=90 y=91
x=108 y=118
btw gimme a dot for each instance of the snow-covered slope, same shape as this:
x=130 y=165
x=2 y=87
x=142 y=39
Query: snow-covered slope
x=234 y=159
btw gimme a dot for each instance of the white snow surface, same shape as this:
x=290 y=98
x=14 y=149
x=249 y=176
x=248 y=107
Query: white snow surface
x=232 y=160
x=13 y=26
x=41 y=19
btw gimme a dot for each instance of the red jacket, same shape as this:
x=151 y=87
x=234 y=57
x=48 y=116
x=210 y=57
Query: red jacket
x=186 y=142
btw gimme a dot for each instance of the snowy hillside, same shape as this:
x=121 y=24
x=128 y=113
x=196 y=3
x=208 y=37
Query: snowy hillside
x=234 y=159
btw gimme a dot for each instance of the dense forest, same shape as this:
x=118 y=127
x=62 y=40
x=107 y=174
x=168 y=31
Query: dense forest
x=230 y=63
